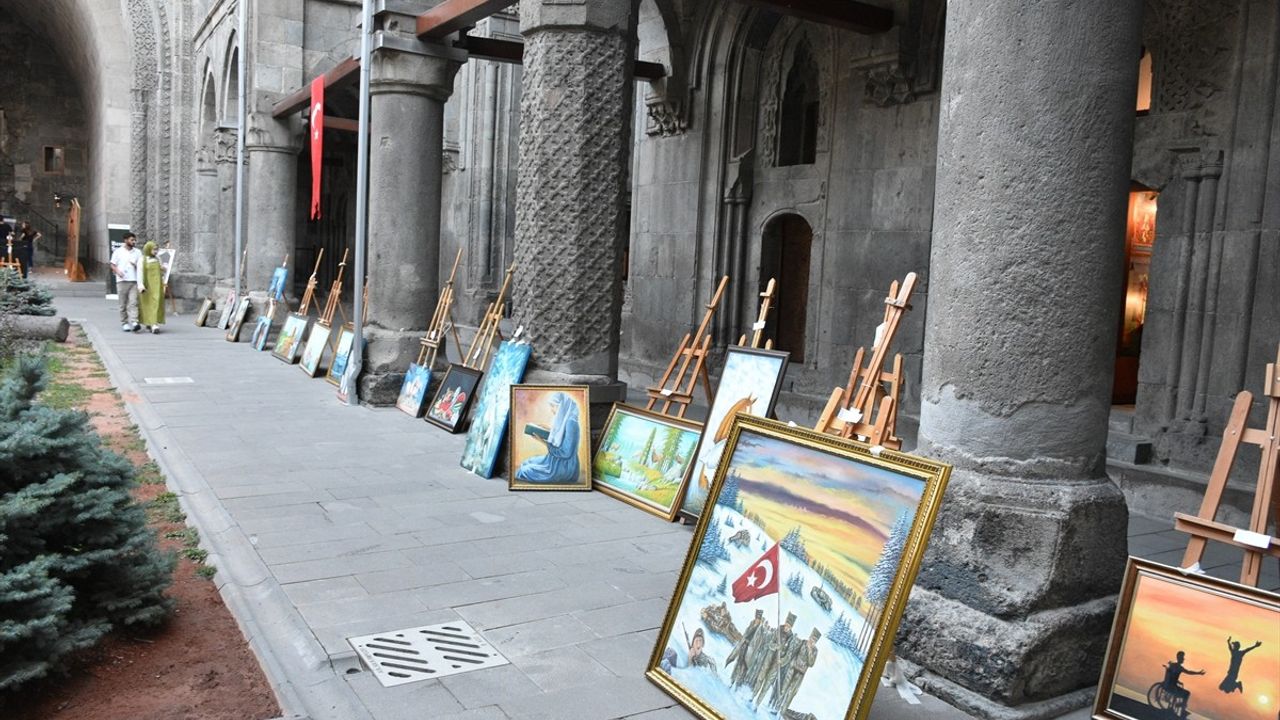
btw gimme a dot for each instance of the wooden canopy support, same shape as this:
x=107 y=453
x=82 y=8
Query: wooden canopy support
x=510 y=51
x=451 y=16
x=859 y=17
x=340 y=75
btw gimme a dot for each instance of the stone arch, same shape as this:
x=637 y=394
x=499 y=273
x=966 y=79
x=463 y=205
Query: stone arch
x=208 y=103
x=660 y=40
x=793 y=38
x=231 y=68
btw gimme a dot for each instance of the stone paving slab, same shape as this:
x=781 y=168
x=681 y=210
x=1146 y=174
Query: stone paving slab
x=328 y=522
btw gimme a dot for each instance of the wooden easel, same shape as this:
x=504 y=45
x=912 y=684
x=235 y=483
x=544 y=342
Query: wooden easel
x=676 y=388
x=441 y=322
x=766 y=305
x=309 y=294
x=1266 y=499
x=11 y=262
x=331 y=305
x=867 y=407
x=482 y=346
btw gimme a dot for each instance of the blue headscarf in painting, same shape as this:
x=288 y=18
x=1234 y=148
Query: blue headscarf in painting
x=560 y=464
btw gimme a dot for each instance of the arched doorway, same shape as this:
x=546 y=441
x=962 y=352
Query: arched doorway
x=784 y=254
x=1140 y=234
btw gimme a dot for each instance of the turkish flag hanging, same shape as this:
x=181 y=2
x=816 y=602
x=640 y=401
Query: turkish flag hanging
x=317 y=142
x=760 y=579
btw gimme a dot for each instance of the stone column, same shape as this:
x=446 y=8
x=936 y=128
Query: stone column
x=408 y=90
x=271 y=199
x=224 y=228
x=205 y=201
x=1015 y=599
x=575 y=126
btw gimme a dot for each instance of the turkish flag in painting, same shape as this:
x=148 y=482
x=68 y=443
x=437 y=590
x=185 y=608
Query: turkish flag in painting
x=760 y=579
x=317 y=143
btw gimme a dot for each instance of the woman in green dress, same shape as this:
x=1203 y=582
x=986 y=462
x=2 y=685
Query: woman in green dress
x=151 y=290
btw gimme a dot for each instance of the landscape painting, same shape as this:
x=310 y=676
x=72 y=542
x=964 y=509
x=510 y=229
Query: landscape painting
x=489 y=421
x=749 y=384
x=453 y=397
x=797 y=576
x=550 y=438
x=289 y=342
x=1191 y=647
x=413 y=391
x=643 y=457
x=313 y=353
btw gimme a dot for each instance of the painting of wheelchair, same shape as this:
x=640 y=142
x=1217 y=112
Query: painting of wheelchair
x=1191 y=648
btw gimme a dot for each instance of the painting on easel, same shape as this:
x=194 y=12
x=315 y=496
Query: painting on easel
x=550 y=441
x=453 y=397
x=289 y=342
x=749 y=384
x=313 y=354
x=489 y=423
x=413 y=391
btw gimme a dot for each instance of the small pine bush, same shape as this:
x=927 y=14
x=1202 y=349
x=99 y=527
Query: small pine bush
x=76 y=556
x=21 y=296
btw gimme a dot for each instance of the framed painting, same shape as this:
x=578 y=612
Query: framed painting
x=413 y=391
x=237 y=320
x=262 y=328
x=166 y=256
x=313 y=353
x=643 y=457
x=550 y=438
x=749 y=384
x=493 y=408
x=202 y=317
x=453 y=397
x=797 y=576
x=289 y=341
x=341 y=354
x=1190 y=646
x=279 y=277
x=228 y=309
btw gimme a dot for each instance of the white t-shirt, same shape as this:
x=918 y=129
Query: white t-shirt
x=127 y=261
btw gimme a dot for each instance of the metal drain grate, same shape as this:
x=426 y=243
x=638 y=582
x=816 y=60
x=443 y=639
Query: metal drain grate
x=424 y=653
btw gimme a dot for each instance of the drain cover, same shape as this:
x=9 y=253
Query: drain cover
x=424 y=653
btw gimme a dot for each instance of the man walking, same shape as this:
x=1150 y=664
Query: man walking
x=125 y=263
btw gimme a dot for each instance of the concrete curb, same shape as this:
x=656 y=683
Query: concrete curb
x=293 y=660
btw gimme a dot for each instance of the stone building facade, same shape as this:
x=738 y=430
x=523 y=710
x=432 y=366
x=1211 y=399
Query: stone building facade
x=1097 y=240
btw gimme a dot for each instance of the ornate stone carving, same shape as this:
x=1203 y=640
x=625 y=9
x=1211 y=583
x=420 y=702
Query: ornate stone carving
x=450 y=163
x=1190 y=46
x=780 y=53
x=224 y=145
x=570 y=206
x=665 y=117
x=888 y=84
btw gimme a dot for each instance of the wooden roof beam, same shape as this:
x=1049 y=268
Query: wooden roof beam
x=859 y=17
x=510 y=51
x=451 y=16
x=339 y=76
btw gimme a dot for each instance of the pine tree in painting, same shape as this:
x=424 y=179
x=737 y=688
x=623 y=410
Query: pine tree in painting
x=78 y=559
x=795 y=583
x=729 y=492
x=880 y=581
x=841 y=634
x=647 y=452
x=723 y=587
x=793 y=544
x=670 y=448
x=712 y=548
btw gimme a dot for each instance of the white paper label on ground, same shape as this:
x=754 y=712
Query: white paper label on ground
x=880 y=331
x=1253 y=539
x=850 y=415
x=758 y=326
x=666 y=392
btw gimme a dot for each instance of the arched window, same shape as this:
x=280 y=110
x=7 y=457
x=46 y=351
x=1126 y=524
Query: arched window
x=784 y=255
x=799 y=112
x=209 y=107
x=231 y=110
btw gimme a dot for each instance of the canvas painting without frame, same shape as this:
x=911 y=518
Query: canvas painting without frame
x=413 y=391
x=807 y=552
x=493 y=408
x=549 y=441
x=643 y=457
x=749 y=384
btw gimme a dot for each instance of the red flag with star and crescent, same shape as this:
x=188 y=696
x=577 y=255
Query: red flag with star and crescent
x=760 y=579
x=317 y=143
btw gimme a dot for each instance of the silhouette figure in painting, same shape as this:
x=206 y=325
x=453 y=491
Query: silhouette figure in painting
x=1173 y=686
x=560 y=464
x=1231 y=683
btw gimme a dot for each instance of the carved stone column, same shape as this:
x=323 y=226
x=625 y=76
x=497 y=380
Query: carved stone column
x=224 y=228
x=204 y=232
x=575 y=126
x=1015 y=600
x=271 y=199
x=409 y=87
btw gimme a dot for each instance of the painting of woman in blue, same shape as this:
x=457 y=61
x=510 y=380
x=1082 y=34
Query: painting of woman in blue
x=560 y=464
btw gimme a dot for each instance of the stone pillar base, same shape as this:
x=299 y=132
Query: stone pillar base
x=982 y=707
x=386 y=357
x=193 y=287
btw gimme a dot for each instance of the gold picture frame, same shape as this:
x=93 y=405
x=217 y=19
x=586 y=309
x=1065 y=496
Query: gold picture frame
x=536 y=413
x=1167 y=616
x=794 y=493
x=617 y=451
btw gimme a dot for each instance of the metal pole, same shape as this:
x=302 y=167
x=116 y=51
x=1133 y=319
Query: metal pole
x=242 y=122
x=350 y=388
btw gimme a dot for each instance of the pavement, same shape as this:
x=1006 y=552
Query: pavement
x=327 y=522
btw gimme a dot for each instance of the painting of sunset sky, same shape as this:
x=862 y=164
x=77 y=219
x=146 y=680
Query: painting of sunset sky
x=1169 y=616
x=845 y=508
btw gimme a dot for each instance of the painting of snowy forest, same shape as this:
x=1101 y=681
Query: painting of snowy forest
x=489 y=420
x=643 y=457
x=799 y=571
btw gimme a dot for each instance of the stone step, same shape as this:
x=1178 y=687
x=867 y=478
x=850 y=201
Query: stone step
x=1128 y=448
x=1121 y=420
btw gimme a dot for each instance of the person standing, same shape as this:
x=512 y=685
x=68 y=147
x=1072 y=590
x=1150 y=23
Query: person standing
x=126 y=262
x=151 y=290
x=25 y=247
